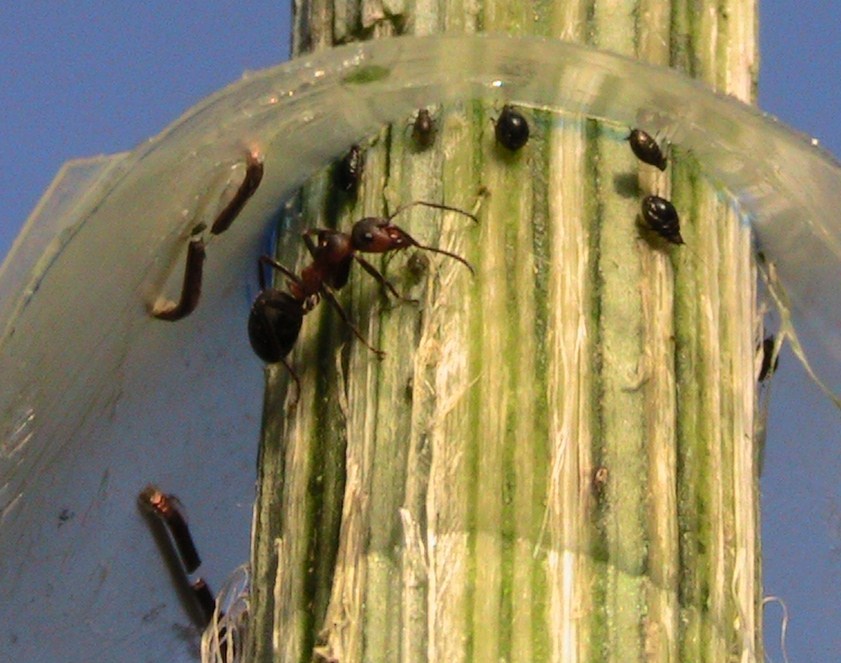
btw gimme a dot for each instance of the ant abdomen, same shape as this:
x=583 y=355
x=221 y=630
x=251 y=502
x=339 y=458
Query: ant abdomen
x=274 y=324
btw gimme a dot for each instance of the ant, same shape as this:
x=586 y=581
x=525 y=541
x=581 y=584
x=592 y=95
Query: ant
x=276 y=315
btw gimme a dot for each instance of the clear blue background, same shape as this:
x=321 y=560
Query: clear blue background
x=79 y=80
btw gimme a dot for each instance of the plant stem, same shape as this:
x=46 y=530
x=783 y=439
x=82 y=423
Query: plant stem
x=554 y=461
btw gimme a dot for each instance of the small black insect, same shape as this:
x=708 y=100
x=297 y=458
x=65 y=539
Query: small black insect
x=512 y=129
x=423 y=129
x=767 y=349
x=661 y=216
x=348 y=172
x=646 y=149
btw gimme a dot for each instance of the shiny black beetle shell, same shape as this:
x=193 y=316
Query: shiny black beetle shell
x=274 y=324
x=512 y=129
x=348 y=172
x=661 y=216
x=646 y=149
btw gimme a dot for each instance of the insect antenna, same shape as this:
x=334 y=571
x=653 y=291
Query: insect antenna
x=424 y=247
x=448 y=208
x=454 y=256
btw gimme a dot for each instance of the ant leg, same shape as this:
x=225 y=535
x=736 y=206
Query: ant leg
x=252 y=179
x=384 y=282
x=330 y=297
x=271 y=262
x=191 y=287
x=448 y=208
x=297 y=380
x=312 y=247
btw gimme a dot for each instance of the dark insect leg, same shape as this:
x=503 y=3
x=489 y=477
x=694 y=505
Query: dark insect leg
x=191 y=286
x=271 y=262
x=331 y=298
x=252 y=179
x=383 y=281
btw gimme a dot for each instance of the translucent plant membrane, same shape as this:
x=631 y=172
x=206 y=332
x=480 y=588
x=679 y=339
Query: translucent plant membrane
x=98 y=398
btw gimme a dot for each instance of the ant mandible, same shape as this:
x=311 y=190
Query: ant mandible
x=276 y=315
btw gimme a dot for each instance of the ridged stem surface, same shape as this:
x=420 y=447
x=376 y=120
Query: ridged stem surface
x=554 y=461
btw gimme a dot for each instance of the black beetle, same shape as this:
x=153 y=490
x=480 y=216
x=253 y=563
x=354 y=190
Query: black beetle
x=661 y=216
x=512 y=129
x=646 y=149
x=348 y=171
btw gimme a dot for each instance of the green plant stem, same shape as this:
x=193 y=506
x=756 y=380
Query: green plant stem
x=554 y=460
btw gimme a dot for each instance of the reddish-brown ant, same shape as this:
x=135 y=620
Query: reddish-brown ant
x=276 y=316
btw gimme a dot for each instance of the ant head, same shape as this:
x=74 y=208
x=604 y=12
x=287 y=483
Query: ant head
x=373 y=235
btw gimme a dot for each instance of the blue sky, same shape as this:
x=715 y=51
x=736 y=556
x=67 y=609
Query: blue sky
x=79 y=80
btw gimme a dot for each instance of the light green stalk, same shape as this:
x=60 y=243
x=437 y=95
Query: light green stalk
x=554 y=461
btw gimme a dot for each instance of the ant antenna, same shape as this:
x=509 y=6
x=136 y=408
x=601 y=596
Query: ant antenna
x=403 y=208
x=418 y=245
x=454 y=256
